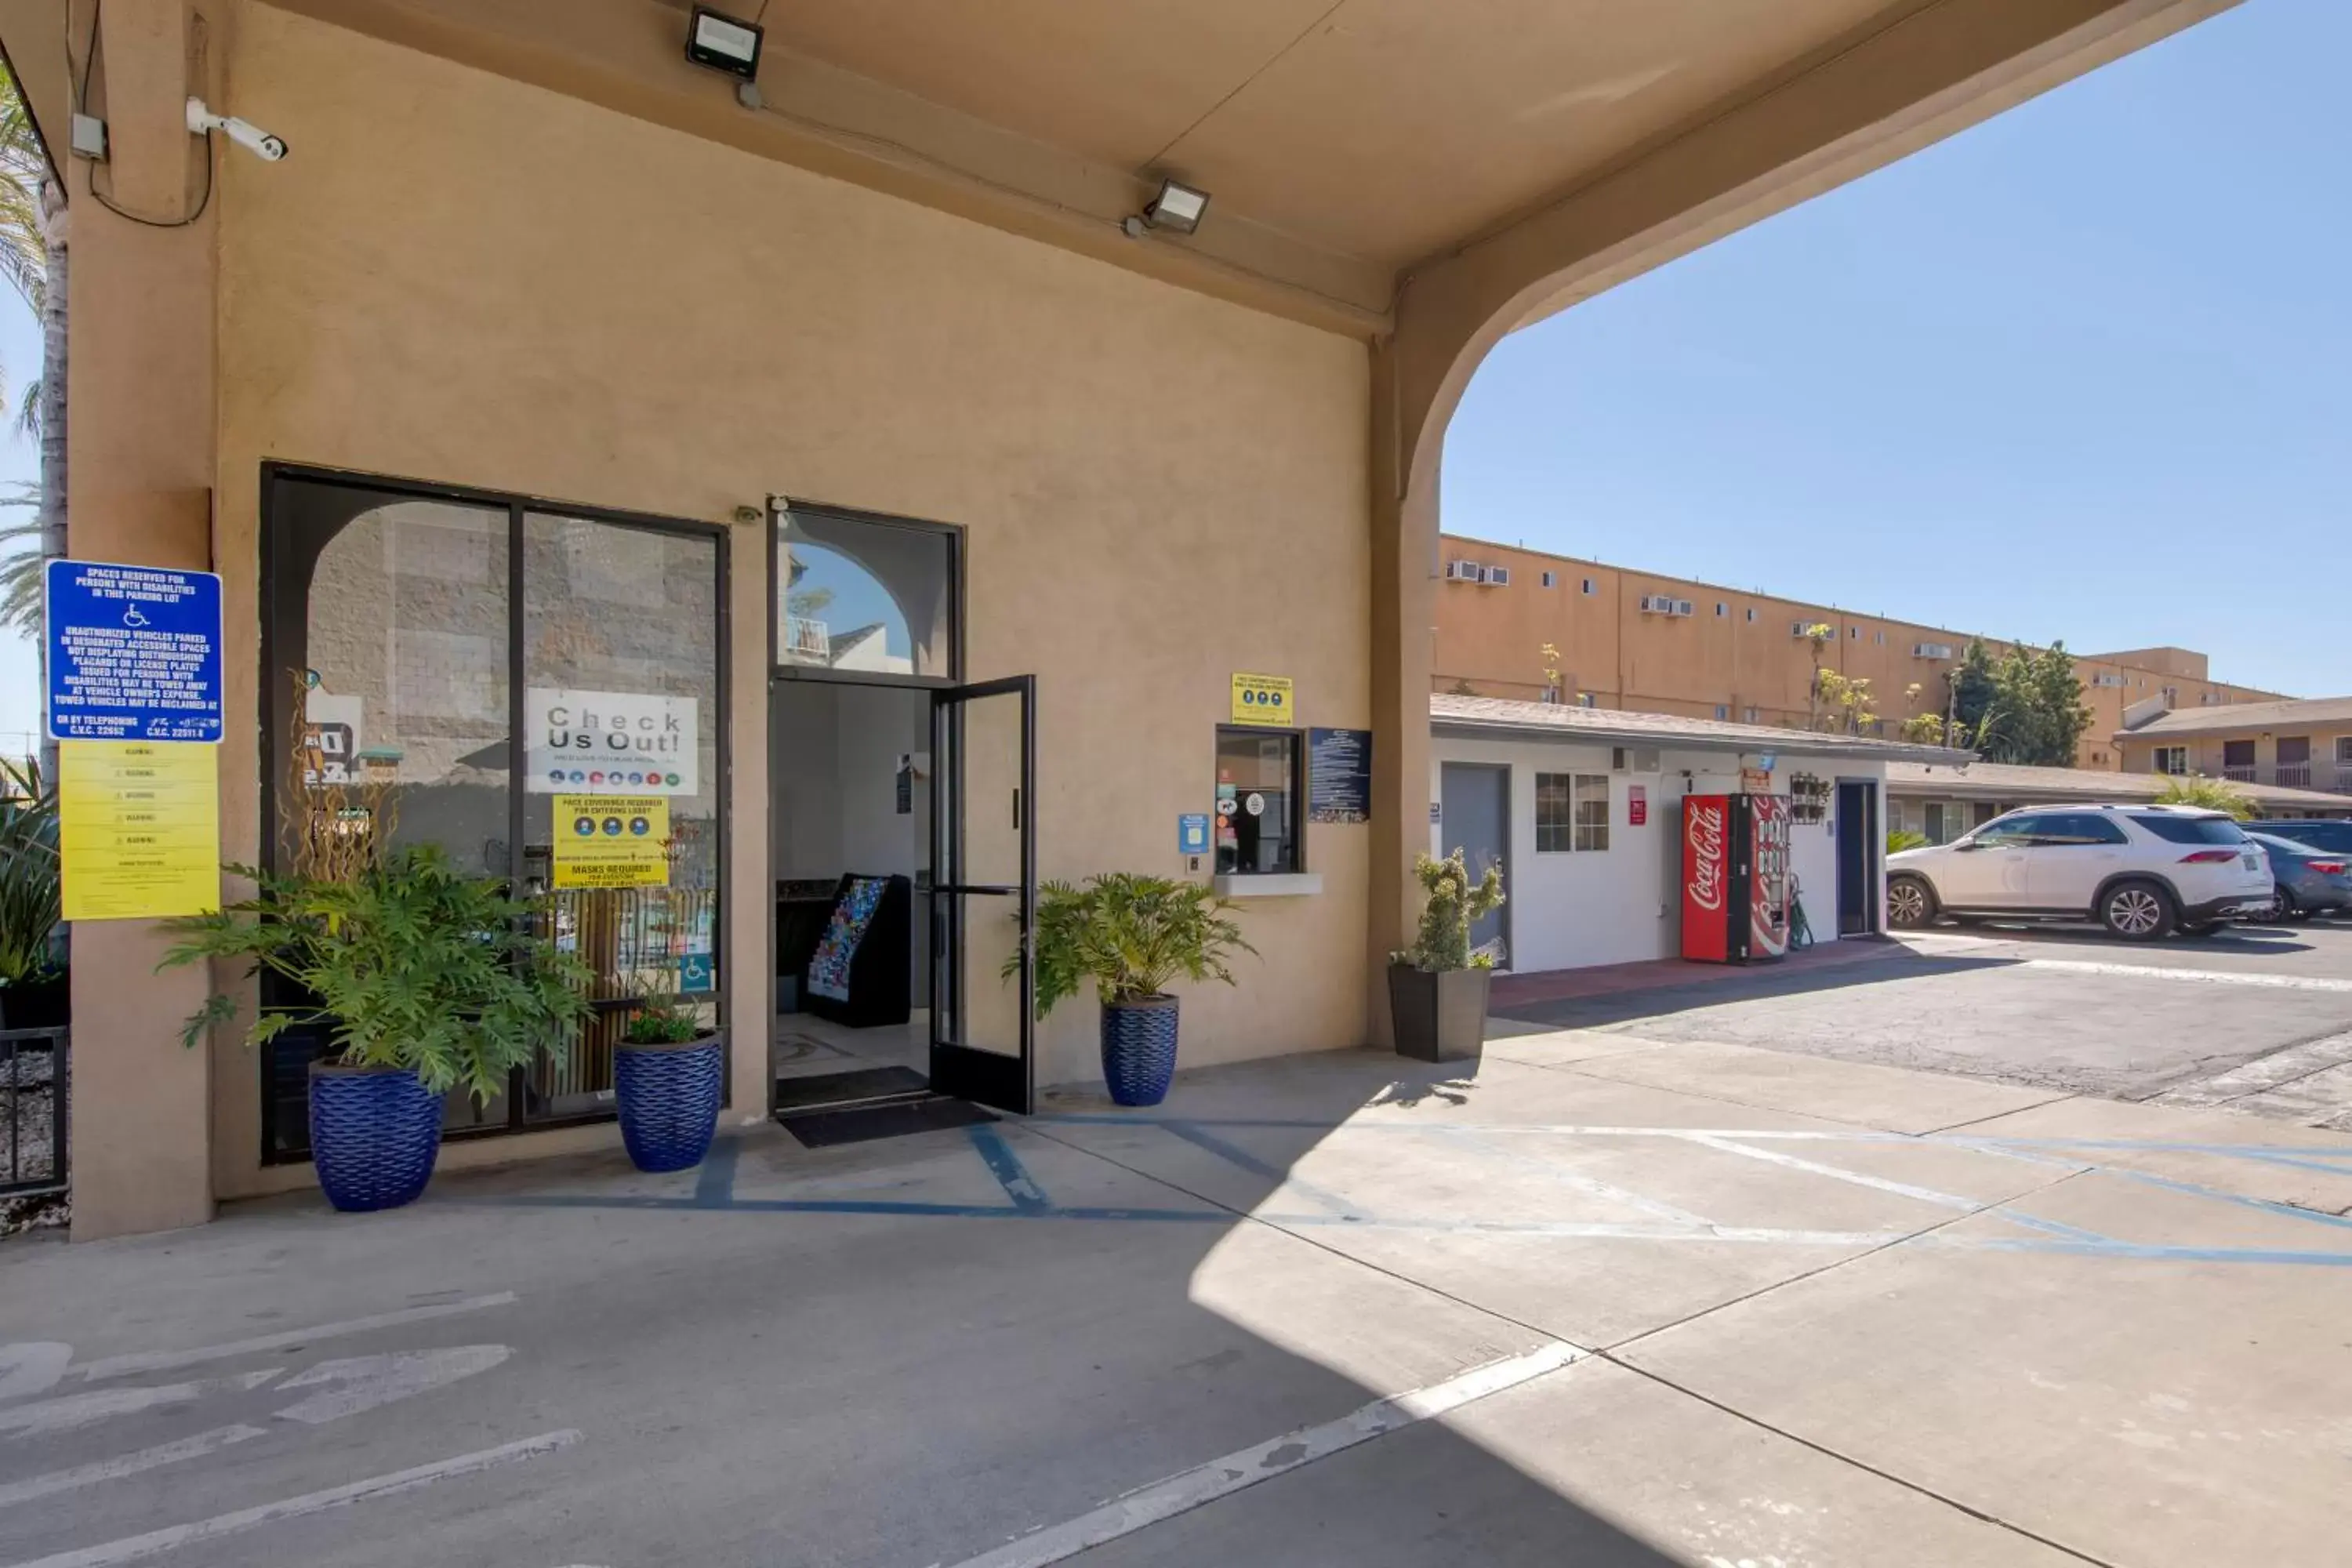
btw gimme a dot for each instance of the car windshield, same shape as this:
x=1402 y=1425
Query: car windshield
x=2193 y=829
x=2288 y=846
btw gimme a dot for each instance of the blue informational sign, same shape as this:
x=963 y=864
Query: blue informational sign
x=1192 y=833
x=134 y=653
x=694 y=973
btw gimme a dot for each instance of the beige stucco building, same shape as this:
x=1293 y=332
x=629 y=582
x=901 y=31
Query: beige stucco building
x=552 y=375
x=1647 y=642
x=2304 y=745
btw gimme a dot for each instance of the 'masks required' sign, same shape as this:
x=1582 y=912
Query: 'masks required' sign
x=608 y=743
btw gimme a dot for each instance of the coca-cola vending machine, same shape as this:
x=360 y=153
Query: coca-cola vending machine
x=1735 y=877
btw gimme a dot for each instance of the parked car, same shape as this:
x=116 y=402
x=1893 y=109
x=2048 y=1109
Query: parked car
x=2143 y=871
x=2320 y=833
x=2305 y=881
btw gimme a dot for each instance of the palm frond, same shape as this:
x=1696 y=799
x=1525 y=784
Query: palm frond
x=28 y=411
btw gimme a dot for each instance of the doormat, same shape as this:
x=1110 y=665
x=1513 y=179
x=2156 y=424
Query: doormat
x=826 y=1128
x=806 y=1092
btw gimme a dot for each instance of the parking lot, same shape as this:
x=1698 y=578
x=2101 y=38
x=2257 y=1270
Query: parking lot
x=2064 y=1008
x=1711 y=1275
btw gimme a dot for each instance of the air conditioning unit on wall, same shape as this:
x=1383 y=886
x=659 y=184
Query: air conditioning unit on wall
x=1660 y=605
x=1465 y=571
x=1498 y=577
x=1932 y=650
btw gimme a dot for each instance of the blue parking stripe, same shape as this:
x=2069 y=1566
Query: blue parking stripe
x=714 y=1185
x=1005 y=1167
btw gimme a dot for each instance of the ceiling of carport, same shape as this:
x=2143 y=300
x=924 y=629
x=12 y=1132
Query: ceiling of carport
x=1384 y=129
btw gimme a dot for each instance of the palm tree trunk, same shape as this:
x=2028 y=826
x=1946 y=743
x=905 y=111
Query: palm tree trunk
x=55 y=221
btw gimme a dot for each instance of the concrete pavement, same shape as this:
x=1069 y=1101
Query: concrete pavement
x=1647 y=1303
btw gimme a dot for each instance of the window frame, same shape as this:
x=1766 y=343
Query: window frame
x=1294 y=795
x=518 y=509
x=957 y=587
x=1573 y=789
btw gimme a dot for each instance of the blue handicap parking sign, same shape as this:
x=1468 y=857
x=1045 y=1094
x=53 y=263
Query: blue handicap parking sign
x=134 y=652
x=1192 y=833
x=694 y=973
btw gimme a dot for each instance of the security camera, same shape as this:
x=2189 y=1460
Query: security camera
x=243 y=133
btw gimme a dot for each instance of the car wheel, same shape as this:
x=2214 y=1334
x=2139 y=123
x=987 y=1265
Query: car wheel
x=2138 y=912
x=1910 y=903
x=2287 y=907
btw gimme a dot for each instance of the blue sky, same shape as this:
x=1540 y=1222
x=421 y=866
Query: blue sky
x=2042 y=380
x=20 y=672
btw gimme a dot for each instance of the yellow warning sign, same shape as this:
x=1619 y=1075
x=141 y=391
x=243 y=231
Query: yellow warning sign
x=611 y=840
x=139 y=828
x=1263 y=699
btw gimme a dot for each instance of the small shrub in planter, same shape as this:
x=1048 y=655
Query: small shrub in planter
x=33 y=989
x=424 y=978
x=1133 y=936
x=667 y=1076
x=1437 y=987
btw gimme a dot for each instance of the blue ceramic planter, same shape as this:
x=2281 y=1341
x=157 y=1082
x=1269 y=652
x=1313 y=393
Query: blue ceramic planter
x=374 y=1135
x=668 y=1097
x=1139 y=1050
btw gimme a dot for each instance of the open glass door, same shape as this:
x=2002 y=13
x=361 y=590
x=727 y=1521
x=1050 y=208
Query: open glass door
x=984 y=903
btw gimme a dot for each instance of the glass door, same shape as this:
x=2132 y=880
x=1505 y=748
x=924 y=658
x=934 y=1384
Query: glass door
x=984 y=905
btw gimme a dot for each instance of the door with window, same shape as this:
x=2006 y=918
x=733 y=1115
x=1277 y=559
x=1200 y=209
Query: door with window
x=2073 y=853
x=984 y=899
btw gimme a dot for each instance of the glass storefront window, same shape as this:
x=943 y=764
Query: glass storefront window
x=393 y=620
x=621 y=698
x=1257 y=801
x=863 y=596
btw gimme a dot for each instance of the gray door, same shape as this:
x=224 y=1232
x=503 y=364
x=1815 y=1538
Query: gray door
x=1476 y=806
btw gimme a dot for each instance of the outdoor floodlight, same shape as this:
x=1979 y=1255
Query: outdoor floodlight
x=1177 y=208
x=724 y=43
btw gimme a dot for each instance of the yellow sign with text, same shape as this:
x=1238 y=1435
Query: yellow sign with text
x=611 y=840
x=138 y=828
x=1264 y=700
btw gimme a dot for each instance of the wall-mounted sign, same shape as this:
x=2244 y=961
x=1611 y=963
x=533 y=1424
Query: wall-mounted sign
x=1254 y=804
x=139 y=829
x=608 y=743
x=1756 y=781
x=1637 y=805
x=1340 y=776
x=1192 y=833
x=1263 y=699
x=134 y=652
x=694 y=974
x=611 y=840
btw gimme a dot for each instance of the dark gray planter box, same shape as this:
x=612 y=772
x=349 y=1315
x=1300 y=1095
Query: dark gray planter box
x=1440 y=1016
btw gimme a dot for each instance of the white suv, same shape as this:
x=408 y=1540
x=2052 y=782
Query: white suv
x=2143 y=871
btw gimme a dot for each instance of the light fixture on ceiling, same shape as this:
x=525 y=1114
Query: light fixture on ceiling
x=1178 y=209
x=724 y=43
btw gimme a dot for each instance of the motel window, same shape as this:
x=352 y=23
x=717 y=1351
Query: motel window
x=441 y=668
x=2239 y=755
x=1571 y=811
x=1751 y=715
x=1722 y=710
x=1751 y=612
x=1855 y=633
x=1587 y=699
x=1721 y=609
x=1588 y=587
x=1258 y=802
x=1551 y=579
x=2172 y=759
x=2343 y=749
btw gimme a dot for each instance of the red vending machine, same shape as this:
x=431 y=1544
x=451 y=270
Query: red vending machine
x=1735 y=877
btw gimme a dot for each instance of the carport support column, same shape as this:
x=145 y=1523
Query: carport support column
x=140 y=428
x=1403 y=625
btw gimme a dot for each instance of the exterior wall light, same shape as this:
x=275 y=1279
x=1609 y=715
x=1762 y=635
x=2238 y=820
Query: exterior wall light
x=1178 y=209
x=724 y=43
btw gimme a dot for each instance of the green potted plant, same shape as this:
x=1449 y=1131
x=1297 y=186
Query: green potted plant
x=1133 y=936
x=1437 y=987
x=425 y=979
x=33 y=988
x=667 y=1074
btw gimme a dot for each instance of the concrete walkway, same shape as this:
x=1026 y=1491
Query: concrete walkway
x=1596 y=1300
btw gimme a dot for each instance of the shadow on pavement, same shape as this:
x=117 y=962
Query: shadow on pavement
x=1760 y=983
x=921 y=1351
